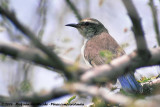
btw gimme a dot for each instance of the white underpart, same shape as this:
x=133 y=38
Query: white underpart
x=82 y=52
x=87 y=63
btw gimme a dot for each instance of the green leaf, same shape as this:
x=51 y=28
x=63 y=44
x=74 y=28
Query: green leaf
x=71 y=99
x=26 y=86
x=107 y=54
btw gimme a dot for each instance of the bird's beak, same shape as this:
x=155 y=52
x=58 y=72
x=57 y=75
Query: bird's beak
x=73 y=25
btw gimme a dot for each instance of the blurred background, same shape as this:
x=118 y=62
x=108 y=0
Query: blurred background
x=47 y=19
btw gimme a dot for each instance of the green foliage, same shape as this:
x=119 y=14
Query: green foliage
x=101 y=80
x=98 y=102
x=2 y=29
x=107 y=54
x=2 y=57
x=144 y=79
x=4 y=3
x=113 y=88
x=75 y=66
x=25 y=86
x=126 y=93
x=66 y=40
x=124 y=45
x=133 y=95
x=71 y=99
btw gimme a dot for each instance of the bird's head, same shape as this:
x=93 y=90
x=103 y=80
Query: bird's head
x=89 y=27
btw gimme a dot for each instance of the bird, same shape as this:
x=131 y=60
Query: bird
x=98 y=41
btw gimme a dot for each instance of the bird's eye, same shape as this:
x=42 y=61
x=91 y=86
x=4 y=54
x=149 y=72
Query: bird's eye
x=86 y=23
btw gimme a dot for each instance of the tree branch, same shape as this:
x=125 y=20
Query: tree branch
x=155 y=20
x=81 y=89
x=120 y=66
x=107 y=95
x=74 y=9
x=34 y=55
x=151 y=87
x=95 y=91
x=102 y=73
x=55 y=60
x=137 y=28
x=36 y=98
x=37 y=56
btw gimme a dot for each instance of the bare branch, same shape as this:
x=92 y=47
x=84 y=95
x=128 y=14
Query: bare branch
x=42 y=12
x=103 y=73
x=155 y=20
x=55 y=60
x=36 y=98
x=73 y=8
x=120 y=66
x=137 y=28
x=81 y=89
x=108 y=96
x=151 y=87
x=95 y=91
x=34 y=55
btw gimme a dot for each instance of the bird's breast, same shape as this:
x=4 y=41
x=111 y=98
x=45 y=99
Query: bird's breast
x=103 y=42
x=82 y=52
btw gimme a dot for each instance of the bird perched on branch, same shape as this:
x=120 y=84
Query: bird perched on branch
x=100 y=48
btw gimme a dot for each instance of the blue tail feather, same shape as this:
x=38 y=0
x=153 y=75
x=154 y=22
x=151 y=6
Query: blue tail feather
x=129 y=83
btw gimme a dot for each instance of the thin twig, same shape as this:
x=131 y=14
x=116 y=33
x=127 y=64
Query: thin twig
x=34 y=55
x=137 y=29
x=55 y=60
x=74 y=9
x=42 y=12
x=155 y=20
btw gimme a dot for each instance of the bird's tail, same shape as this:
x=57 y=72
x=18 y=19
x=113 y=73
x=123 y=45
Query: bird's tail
x=129 y=83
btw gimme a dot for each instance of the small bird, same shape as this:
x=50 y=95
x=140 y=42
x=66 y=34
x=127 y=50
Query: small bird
x=100 y=48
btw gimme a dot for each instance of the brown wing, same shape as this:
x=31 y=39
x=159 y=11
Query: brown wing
x=103 y=42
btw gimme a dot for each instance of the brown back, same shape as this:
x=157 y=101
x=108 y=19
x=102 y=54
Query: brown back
x=102 y=42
